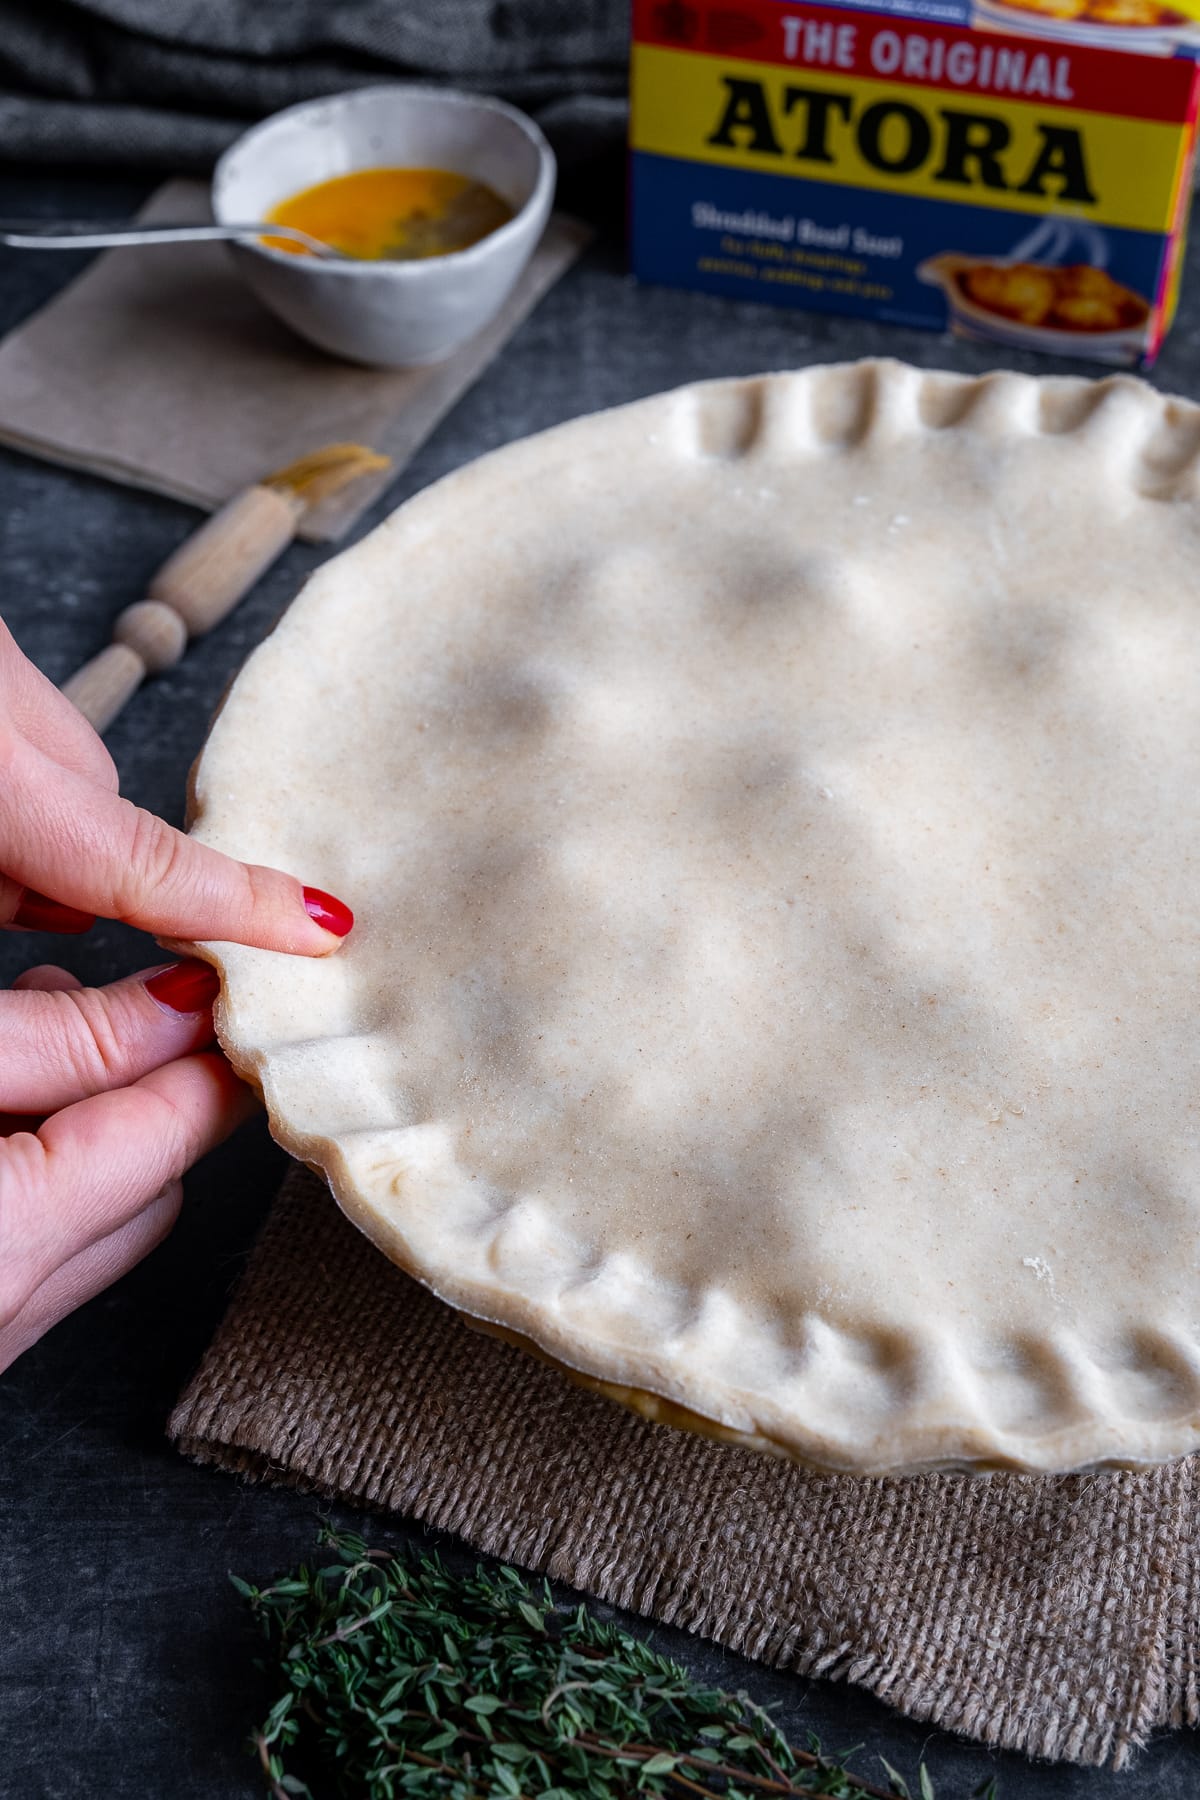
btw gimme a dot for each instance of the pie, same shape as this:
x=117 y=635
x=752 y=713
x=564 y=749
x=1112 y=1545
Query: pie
x=772 y=814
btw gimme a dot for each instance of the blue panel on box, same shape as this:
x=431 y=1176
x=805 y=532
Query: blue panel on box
x=781 y=238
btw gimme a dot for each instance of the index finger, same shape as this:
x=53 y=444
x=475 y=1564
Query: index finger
x=63 y=836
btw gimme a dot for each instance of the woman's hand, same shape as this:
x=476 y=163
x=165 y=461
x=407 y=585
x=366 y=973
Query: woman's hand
x=107 y=1095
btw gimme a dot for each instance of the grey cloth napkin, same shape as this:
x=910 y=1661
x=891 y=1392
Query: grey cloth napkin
x=158 y=367
x=140 y=81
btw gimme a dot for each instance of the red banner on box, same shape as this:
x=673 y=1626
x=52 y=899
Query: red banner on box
x=915 y=53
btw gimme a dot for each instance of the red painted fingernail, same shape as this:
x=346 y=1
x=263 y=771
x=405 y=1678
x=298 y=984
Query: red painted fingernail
x=330 y=914
x=186 y=987
x=36 y=913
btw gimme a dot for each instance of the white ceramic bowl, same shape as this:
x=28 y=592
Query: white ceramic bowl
x=391 y=314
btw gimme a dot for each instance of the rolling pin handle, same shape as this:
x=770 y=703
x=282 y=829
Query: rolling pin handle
x=207 y=576
x=100 y=689
x=154 y=631
x=193 y=591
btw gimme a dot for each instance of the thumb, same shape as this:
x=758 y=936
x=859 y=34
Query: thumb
x=62 y=835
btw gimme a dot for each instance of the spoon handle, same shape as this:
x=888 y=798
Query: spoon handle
x=87 y=234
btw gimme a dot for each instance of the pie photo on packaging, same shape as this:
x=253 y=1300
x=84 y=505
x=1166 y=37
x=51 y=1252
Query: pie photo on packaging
x=1041 y=306
x=1075 y=298
x=1136 y=14
x=771 y=811
x=1141 y=25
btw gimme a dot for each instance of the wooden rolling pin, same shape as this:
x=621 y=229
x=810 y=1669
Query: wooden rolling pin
x=203 y=581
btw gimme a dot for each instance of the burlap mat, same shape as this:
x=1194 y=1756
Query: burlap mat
x=1054 y=1616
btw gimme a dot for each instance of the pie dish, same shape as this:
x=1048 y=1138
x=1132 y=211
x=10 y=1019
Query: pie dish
x=771 y=815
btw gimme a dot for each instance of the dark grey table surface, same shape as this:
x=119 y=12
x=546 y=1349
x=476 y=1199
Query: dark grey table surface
x=126 y=1668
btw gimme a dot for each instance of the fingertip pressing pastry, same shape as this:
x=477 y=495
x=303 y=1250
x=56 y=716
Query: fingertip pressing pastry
x=770 y=811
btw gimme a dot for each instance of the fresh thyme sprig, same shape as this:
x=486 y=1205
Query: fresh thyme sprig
x=400 y=1679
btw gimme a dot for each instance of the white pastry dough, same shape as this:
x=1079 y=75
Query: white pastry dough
x=771 y=812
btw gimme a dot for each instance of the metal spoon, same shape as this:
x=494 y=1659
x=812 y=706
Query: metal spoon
x=86 y=234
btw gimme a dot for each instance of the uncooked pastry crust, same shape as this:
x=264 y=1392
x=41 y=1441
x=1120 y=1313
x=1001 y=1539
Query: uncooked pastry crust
x=771 y=813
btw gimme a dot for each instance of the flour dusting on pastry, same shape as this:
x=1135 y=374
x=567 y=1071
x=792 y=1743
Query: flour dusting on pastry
x=773 y=918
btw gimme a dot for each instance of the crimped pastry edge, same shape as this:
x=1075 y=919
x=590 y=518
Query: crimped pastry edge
x=864 y=397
